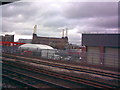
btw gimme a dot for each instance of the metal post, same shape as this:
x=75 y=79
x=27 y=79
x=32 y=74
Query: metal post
x=114 y=61
x=92 y=58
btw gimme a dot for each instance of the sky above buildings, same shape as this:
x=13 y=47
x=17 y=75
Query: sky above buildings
x=19 y=18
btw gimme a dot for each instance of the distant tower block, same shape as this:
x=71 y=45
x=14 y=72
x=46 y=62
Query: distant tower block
x=35 y=29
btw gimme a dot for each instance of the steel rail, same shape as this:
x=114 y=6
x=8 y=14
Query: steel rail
x=51 y=84
x=116 y=76
x=63 y=76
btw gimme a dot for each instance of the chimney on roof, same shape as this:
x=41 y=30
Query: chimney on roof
x=35 y=29
x=66 y=32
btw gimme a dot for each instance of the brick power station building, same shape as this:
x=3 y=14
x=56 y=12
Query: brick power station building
x=58 y=43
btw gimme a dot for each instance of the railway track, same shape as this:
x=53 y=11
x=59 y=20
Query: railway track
x=102 y=73
x=10 y=83
x=61 y=76
x=29 y=80
x=45 y=77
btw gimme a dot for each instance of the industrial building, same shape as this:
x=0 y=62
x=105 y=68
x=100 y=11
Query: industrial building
x=8 y=38
x=25 y=40
x=102 y=48
x=58 y=43
x=43 y=50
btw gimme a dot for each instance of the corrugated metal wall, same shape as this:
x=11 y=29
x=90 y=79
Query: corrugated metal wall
x=93 y=55
x=111 y=57
x=106 y=40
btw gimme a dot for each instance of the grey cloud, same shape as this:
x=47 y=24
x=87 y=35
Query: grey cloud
x=87 y=17
x=6 y=26
x=31 y=13
x=89 y=29
x=55 y=22
x=98 y=22
x=25 y=32
x=74 y=39
x=107 y=22
x=24 y=8
x=50 y=12
x=90 y=9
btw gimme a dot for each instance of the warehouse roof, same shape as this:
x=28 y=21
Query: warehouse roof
x=109 y=40
x=36 y=46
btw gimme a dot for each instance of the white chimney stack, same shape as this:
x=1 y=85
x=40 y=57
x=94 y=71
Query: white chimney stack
x=63 y=33
x=66 y=32
x=35 y=29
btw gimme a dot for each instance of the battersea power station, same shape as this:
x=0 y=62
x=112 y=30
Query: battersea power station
x=58 y=43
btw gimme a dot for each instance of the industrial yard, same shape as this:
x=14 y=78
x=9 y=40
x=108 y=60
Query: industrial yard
x=63 y=45
x=39 y=65
x=33 y=71
x=58 y=75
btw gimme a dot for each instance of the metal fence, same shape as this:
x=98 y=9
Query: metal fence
x=105 y=59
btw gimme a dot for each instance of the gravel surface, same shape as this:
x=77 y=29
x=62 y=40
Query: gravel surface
x=11 y=84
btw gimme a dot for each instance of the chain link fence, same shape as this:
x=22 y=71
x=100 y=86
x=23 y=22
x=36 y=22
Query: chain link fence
x=105 y=59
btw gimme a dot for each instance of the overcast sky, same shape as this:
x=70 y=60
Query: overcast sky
x=19 y=18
